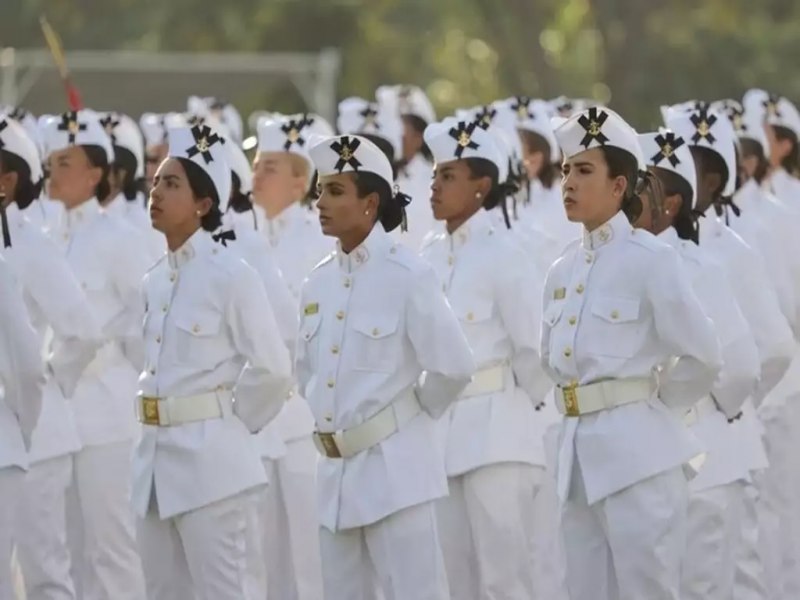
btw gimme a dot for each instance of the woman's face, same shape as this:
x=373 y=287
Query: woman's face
x=453 y=191
x=275 y=180
x=73 y=179
x=341 y=211
x=412 y=140
x=590 y=196
x=173 y=206
x=778 y=148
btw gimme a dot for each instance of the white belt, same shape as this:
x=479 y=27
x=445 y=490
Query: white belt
x=704 y=406
x=574 y=401
x=487 y=381
x=176 y=410
x=349 y=442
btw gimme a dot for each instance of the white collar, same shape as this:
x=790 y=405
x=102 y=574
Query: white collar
x=376 y=244
x=478 y=224
x=616 y=229
x=199 y=243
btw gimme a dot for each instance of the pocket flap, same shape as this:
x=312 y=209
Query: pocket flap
x=553 y=312
x=375 y=326
x=199 y=321
x=310 y=326
x=616 y=309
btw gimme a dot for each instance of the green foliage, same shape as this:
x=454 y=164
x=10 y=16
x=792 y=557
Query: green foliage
x=636 y=54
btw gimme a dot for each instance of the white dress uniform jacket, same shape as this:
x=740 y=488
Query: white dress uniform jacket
x=109 y=264
x=134 y=213
x=21 y=376
x=740 y=365
x=67 y=331
x=618 y=305
x=207 y=326
x=496 y=295
x=372 y=321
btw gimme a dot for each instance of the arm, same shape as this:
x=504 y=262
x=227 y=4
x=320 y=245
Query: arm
x=266 y=379
x=20 y=359
x=441 y=348
x=686 y=332
x=519 y=297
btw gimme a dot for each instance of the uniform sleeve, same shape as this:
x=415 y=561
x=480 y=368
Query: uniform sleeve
x=544 y=335
x=685 y=330
x=740 y=365
x=441 y=348
x=283 y=303
x=76 y=333
x=773 y=335
x=20 y=358
x=519 y=297
x=266 y=379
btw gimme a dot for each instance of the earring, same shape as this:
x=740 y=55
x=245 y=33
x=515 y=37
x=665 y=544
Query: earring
x=477 y=195
x=198 y=213
x=366 y=212
x=666 y=212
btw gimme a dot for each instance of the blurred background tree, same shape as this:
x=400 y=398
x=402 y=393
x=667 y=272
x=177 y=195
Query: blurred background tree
x=633 y=54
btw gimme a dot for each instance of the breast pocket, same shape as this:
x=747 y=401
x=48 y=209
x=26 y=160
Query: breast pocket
x=474 y=312
x=308 y=342
x=198 y=336
x=376 y=340
x=552 y=313
x=615 y=327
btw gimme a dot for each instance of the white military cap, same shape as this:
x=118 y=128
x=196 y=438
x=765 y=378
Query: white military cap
x=290 y=133
x=27 y=120
x=360 y=116
x=706 y=128
x=566 y=107
x=204 y=147
x=596 y=127
x=484 y=115
x=776 y=110
x=406 y=100
x=16 y=140
x=666 y=150
x=224 y=113
x=748 y=124
x=349 y=154
x=154 y=128
x=453 y=139
x=241 y=166
x=521 y=112
x=124 y=133
x=75 y=128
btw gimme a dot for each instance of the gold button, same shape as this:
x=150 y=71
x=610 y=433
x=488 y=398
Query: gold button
x=375 y=331
x=450 y=260
x=164 y=308
x=329 y=418
x=573 y=320
x=588 y=259
x=340 y=315
x=470 y=316
x=567 y=352
x=172 y=277
x=330 y=383
x=580 y=288
x=195 y=328
x=614 y=314
x=335 y=350
x=152 y=371
x=347 y=283
x=158 y=339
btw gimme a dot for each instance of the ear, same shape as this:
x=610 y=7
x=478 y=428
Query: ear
x=484 y=186
x=203 y=206
x=95 y=175
x=710 y=183
x=372 y=202
x=619 y=186
x=673 y=204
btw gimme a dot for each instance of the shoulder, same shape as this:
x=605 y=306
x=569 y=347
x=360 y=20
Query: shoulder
x=321 y=264
x=431 y=239
x=646 y=240
x=407 y=259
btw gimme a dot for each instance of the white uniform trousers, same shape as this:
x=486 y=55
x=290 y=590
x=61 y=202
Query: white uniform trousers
x=291 y=526
x=401 y=553
x=775 y=510
x=629 y=545
x=486 y=528
x=748 y=580
x=10 y=484
x=709 y=564
x=41 y=531
x=548 y=547
x=200 y=554
x=105 y=558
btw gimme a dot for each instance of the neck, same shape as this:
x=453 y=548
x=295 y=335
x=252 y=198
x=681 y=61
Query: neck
x=75 y=204
x=351 y=241
x=456 y=222
x=176 y=239
x=275 y=208
x=593 y=224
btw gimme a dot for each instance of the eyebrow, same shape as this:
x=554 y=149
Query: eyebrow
x=447 y=169
x=581 y=164
x=168 y=177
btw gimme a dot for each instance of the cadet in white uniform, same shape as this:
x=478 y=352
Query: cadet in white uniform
x=414 y=166
x=626 y=340
x=21 y=379
x=109 y=264
x=69 y=337
x=373 y=320
x=281 y=182
x=495 y=291
x=215 y=371
x=716 y=494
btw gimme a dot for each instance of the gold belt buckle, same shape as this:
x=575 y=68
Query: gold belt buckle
x=328 y=442
x=570 y=396
x=150 y=414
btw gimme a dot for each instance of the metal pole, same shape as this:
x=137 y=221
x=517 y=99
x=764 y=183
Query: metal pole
x=8 y=77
